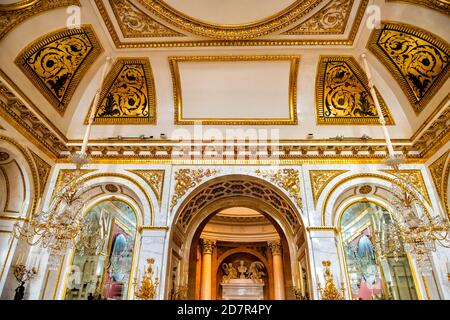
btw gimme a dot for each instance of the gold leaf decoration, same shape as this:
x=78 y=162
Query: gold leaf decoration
x=13 y=14
x=417 y=59
x=288 y=179
x=135 y=24
x=155 y=179
x=43 y=170
x=320 y=179
x=343 y=96
x=68 y=175
x=57 y=62
x=440 y=173
x=128 y=96
x=416 y=179
x=186 y=179
x=332 y=19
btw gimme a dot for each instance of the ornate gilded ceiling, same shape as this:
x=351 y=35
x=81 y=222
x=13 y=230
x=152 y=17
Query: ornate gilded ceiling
x=128 y=95
x=57 y=62
x=169 y=27
x=342 y=94
x=439 y=5
x=419 y=61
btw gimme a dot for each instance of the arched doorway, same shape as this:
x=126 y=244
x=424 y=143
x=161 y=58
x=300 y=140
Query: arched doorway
x=209 y=199
x=102 y=264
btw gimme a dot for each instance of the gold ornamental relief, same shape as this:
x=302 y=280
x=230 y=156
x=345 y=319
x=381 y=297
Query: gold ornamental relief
x=288 y=179
x=67 y=176
x=136 y=24
x=155 y=179
x=186 y=179
x=332 y=19
x=320 y=179
x=43 y=170
x=128 y=95
x=343 y=96
x=231 y=32
x=419 y=60
x=440 y=173
x=439 y=5
x=57 y=62
x=416 y=179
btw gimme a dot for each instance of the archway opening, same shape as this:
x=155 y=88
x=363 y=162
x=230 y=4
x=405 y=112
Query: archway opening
x=202 y=238
x=371 y=276
x=101 y=267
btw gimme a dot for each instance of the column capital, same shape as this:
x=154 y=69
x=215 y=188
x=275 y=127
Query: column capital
x=207 y=245
x=275 y=247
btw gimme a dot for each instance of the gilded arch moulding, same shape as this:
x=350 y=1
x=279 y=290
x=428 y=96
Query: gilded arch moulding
x=417 y=59
x=13 y=14
x=135 y=24
x=43 y=170
x=231 y=32
x=439 y=5
x=155 y=179
x=287 y=179
x=440 y=173
x=320 y=179
x=128 y=95
x=56 y=62
x=332 y=19
x=343 y=94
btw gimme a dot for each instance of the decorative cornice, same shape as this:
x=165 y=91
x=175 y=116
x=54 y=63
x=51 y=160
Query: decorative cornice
x=288 y=179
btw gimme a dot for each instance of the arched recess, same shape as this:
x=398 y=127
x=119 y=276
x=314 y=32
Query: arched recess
x=222 y=193
x=372 y=188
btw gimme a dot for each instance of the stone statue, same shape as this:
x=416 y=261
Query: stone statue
x=230 y=272
x=255 y=271
x=242 y=270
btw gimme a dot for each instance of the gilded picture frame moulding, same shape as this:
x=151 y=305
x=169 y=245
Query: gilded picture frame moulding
x=178 y=99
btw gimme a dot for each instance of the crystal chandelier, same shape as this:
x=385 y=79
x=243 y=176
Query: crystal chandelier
x=92 y=235
x=60 y=227
x=413 y=229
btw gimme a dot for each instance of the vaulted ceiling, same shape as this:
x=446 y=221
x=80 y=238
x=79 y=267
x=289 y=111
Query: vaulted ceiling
x=285 y=65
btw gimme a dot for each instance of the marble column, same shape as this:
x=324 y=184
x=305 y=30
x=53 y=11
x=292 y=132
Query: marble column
x=206 y=279
x=278 y=270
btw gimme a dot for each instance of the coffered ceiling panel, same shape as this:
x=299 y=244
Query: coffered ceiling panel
x=235 y=89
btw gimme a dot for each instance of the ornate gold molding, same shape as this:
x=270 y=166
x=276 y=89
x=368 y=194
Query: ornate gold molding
x=439 y=5
x=287 y=179
x=231 y=32
x=56 y=62
x=65 y=175
x=155 y=179
x=417 y=59
x=416 y=179
x=226 y=43
x=178 y=99
x=440 y=173
x=13 y=14
x=320 y=179
x=43 y=170
x=128 y=95
x=134 y=23
x=275 y=247
x=322 y=228
x=186 y=179
x=332 y=19
x=343 y=94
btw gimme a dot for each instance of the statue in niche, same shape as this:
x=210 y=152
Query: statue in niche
x=255 y=271
x=230 y=272
x=242 y=270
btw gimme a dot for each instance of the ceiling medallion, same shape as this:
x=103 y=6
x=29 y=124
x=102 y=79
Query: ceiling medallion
x=231 y=32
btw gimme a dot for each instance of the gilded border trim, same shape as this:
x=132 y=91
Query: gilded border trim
x=372 y=45
x=119 y=63
x=442 y=6
x=178 y=100
x=359 y=73
x=29 y=50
